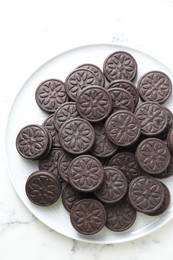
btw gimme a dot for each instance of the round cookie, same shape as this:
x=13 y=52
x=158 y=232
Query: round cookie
x=76 y=136
x=88 y=216
x=85 y=173
x=123 y=128
x=126 y=85
x=50 y=94
x=43 y=188
x=113 y=187
x=96 y=70
x=153 y=155
x=146 y=194
x=65 y=112
x=152 y=117
x=127 y=163
x=63 y=165
x=120 y=65
x=155 y=86
x=94 y=103
x=33 y=142
x=79 y=79
x=120 y=216
x=122 y=100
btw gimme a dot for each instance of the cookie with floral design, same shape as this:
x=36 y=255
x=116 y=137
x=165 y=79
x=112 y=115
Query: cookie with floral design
x=155 y=86
x=50 y=94
x=85 y=173
x=120 y=65
x=43 y=188
x=88 y=216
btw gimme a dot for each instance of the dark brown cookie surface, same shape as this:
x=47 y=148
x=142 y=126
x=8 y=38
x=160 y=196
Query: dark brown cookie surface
x=88 y=216
x=120 y=216
x=49 y=125
x=123 y=128
x=152 y=117
x=65 y=112
x=155 y=86
x=96 y=70
x=94 y=103
x=69 y=196
x=127 y=163
x=85 y=173
x=76 y=136
x=126 y=85
x=146 y=194
x=102 y=147
x=50 y=162
x=122 y=100
x=63 y=165
x=120 y=65
x=79 y=79
x=153 y=155
x=114 y=186
x=43 y=188
x=32 y=142
x=50 y=94
x=170 y=139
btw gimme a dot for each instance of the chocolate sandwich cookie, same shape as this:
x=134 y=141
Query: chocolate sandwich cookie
x=165 y=204
x=50 y=162
x=76 y=136
x=164 y=133
x=146 y=194
x=63 y=165
x=43 y=188
x=94 y=103
x=155 y=86
x=123 y=128
x=79 y=79
x=96 y=70
x=169 y=170
x=88 y=216
x=49 y=125
x=152 y=117
x=85 y=173
x=122 y=100
x=50 y=94
x=113 y=187
x=126 y=85
x=153 y=155
x=120 y=216
x=102 y=147
x=33 y=142
x=127 y=163
x=120 y=65
x=65 y=112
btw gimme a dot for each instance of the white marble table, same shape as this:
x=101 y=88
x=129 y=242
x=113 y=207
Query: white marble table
x=31 y=33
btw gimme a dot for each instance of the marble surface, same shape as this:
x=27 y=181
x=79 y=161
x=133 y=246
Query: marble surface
x=31 y=33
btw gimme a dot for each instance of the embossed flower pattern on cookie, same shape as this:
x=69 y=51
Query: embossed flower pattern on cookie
x=94 y=103
x=76 y=136
x=155 y=86
x=32 y=141
x=79 y=79
x=88 y=216
x=153 y=155
x=49 y=125
x=43 y=188
x=123 y=128
x=50 y=94
x=85 y=173
x=146 y=194
x=65 y=112
x=120 y=65
x=114 y=186
x=152 y=117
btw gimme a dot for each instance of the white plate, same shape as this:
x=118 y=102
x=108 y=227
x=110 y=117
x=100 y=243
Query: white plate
x=25 y=111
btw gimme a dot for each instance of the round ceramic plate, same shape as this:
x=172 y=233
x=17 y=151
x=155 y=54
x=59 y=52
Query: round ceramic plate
x=25 y=111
